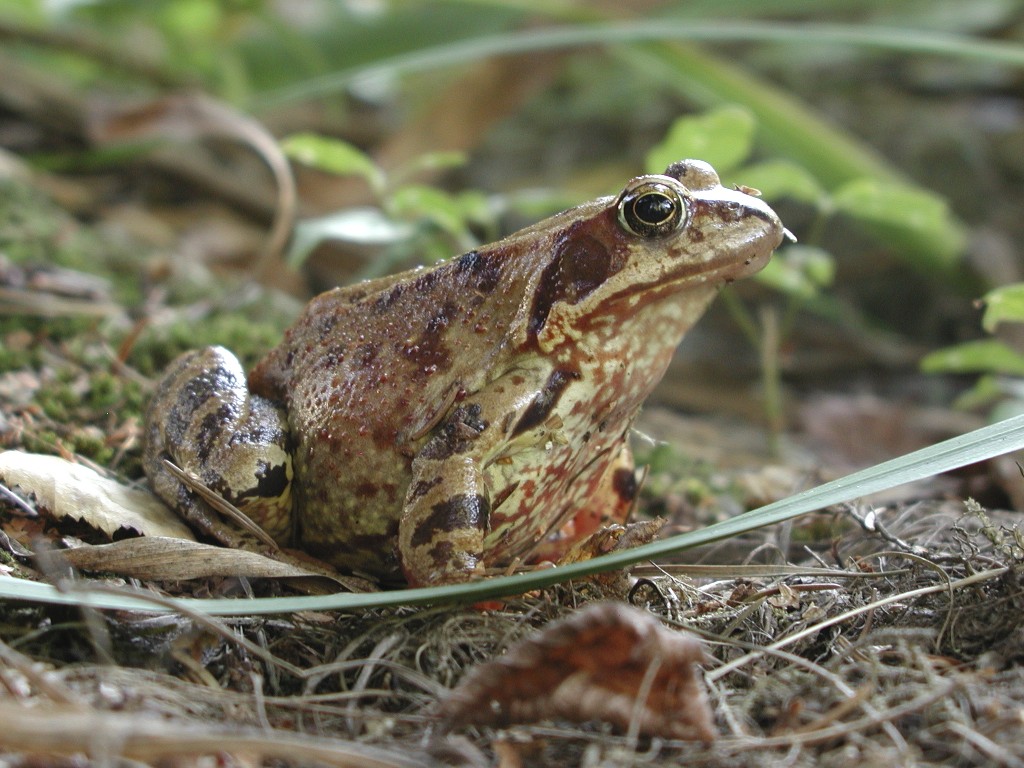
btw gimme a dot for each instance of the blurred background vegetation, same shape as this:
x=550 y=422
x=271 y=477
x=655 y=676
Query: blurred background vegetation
x=888 y=135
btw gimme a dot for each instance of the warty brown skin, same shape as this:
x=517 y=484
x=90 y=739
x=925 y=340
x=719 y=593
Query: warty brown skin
x=445 y=421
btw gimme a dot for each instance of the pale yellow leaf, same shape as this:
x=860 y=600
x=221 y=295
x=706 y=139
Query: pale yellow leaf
x=74 y=491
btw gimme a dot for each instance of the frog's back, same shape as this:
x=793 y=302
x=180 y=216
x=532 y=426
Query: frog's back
x=394 y=345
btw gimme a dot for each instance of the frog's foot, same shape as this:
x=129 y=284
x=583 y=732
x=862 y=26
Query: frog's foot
x=613 y=538
x=610 y=505
x=203 y=420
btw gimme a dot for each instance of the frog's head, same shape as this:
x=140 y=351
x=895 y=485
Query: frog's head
x=678 y=235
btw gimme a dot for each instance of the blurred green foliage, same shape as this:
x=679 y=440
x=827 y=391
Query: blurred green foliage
x=409 y=218
x=255 y=52
x=1001 y=362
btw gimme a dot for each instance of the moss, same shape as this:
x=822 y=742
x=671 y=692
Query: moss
x=57 y=401
x=29 y=223
x=697 y=491
x=90 y=444
x=34 y=230
x=106 y=391
x=13 y=360
x=41 y=441
x=246 y=336
x=14 y=355
x=84 y=404
x=21 y=338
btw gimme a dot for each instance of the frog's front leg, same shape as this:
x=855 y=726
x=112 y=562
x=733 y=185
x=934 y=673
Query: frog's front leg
x=446 y=515
x=203 y=419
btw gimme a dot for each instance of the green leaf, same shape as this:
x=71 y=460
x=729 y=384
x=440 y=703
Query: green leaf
x=432 y=161
x=722 y=137
x=908 y=217
x=195 y=20
x=333 y=156
x=799 y=270
x=985 y=391
x=781 y=178
x=1003 y=305
x=986 y=356
x=439 y=207
x=367 y=227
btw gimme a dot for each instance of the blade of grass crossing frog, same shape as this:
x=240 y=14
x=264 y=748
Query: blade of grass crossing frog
x=985 y=443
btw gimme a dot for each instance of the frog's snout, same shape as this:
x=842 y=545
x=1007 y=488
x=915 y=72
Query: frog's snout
x=757 y=229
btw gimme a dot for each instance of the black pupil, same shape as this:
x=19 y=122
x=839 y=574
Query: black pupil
x=653 y=208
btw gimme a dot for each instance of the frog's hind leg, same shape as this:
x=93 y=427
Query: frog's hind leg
x=204 y=420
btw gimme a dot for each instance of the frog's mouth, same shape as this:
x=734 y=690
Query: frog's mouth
x=697 y=282
x=709 y=273
x=730 y=268
x=731 y=262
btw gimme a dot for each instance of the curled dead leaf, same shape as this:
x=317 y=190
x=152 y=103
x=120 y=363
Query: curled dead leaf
x=608 y=661
x=193 y=116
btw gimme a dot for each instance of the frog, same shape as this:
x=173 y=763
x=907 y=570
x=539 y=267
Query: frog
x=459 y=420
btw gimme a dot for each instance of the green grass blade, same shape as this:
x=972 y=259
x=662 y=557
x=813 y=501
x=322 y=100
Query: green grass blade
x=576 y=36
x=995 y=440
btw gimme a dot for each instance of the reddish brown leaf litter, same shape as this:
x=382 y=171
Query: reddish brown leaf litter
x=608 y=661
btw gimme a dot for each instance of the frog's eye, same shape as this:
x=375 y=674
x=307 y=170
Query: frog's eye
x=651 y=209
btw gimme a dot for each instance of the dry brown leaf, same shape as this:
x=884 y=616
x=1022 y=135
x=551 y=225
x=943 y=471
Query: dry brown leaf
x=608 y=661
x=165 y=559
x=74 y=491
